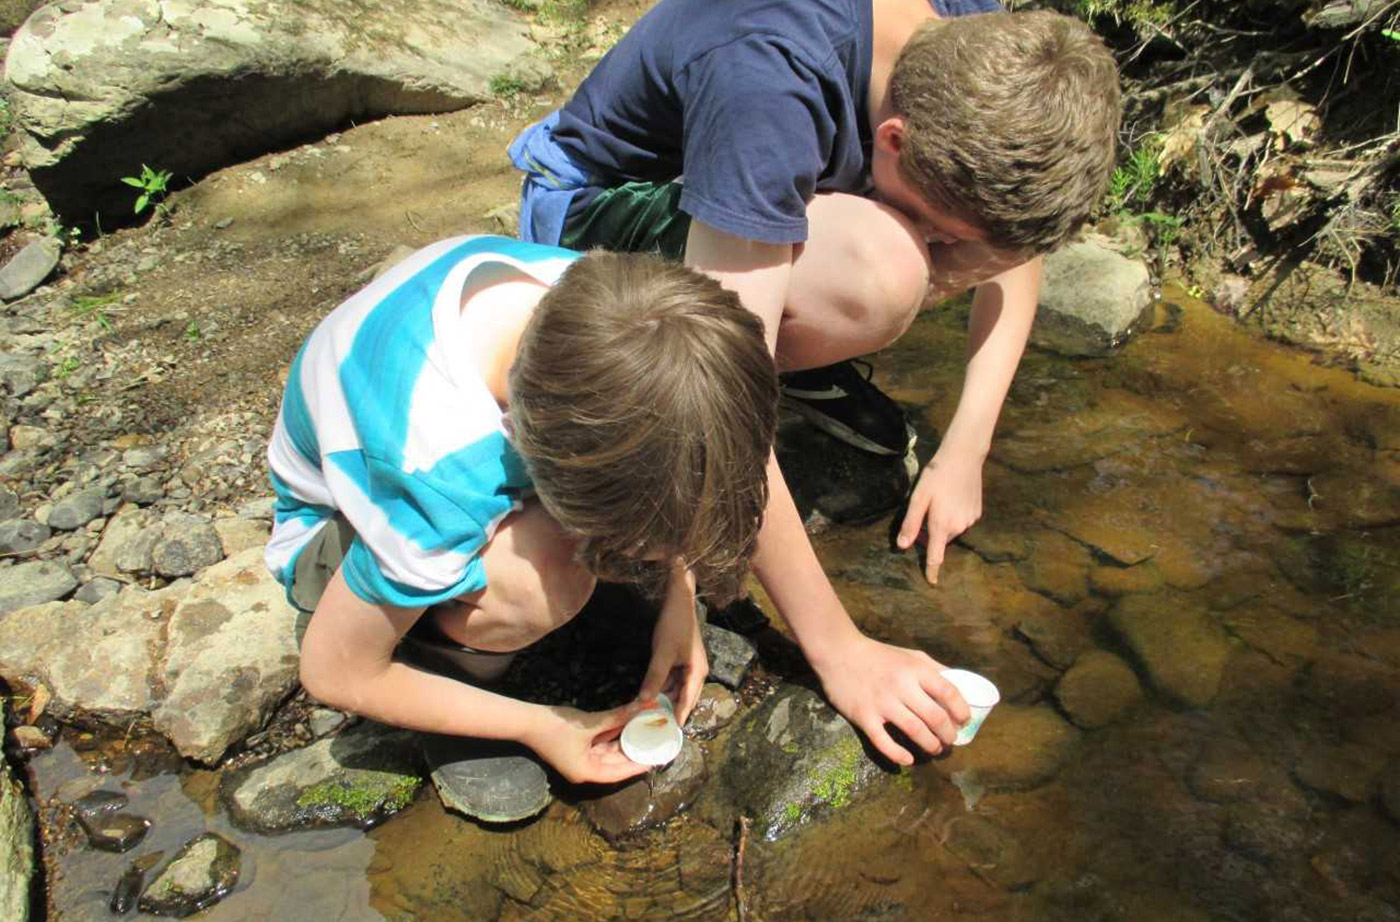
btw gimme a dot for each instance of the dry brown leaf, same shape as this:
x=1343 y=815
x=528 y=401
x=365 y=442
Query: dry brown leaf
x=1184 y=127
x=1293 y=121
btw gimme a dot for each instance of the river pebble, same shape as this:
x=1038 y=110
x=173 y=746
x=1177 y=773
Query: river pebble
x=115 y=832
x=713 y=712
x=78 y=509
x=18 y=536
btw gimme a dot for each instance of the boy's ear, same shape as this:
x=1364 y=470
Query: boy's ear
x=508 y=425
x=889 y=135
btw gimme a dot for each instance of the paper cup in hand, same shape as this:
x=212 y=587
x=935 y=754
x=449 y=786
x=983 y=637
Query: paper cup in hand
x=981 y=696
x=653 y=737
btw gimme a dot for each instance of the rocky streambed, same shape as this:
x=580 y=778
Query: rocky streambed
x=1183 y=584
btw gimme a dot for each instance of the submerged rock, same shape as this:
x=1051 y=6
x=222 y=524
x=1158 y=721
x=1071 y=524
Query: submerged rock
x=1347 y=772
x=201 y=873
x=1020 y=747
x=651 y=799
x=1098 y=689
x=115 y=832
x=359 y=778
x=1182 y=651
x=1390 y=791
x=792 y=757
x=712 y=713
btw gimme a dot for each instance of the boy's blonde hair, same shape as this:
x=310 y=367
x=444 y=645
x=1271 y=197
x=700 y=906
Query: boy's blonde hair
x=1011 y=122
x=643 y=401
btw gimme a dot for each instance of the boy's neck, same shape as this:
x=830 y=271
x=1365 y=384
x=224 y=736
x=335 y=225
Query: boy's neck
x=893 y=22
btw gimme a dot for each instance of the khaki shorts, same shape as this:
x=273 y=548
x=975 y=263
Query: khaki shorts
x=424 y=645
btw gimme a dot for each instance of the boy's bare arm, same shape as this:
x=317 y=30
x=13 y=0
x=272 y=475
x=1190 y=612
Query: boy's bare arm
x=347 y=662
x=758 y=273
x=948 y=496
x=870 y=682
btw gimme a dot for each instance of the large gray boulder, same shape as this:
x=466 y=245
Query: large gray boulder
x=205 y=662
x=100 y=88
x=230 y=658
x=1092 y=300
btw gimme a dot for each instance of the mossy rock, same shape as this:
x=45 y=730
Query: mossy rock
x=793 y=759
x=358 y=778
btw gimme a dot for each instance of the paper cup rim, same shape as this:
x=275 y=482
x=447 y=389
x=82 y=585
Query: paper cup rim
x=977 y=690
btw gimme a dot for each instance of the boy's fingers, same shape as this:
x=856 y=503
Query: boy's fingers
x=937 y=541
x=947 y=696
x=909 y=528
x=881 y=740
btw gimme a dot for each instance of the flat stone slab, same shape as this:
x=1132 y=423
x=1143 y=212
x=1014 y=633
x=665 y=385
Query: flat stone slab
x=489 y=780
x=28 y=268
x=99 y=89
x=97 y=660
x=357 y=778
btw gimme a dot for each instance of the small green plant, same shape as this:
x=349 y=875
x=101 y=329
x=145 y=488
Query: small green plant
x=65 y=368
x=1165 y=226
x=1133 y=182
x=520 y=6
x=95 y=307
x=152 y=184
x=504 y=86
x=192 y=331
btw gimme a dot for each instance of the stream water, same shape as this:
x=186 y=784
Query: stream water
x=1237 y=496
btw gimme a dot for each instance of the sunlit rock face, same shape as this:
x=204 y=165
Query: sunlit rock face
x=99 y=89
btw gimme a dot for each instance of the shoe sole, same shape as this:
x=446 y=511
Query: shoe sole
x=845 y=433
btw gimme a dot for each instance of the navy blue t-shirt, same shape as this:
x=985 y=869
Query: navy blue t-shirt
x=758 y=104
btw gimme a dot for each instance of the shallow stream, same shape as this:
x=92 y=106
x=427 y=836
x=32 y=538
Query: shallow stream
x=1236 y=498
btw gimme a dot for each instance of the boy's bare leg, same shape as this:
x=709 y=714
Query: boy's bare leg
x=534 y=586
x=863 y=275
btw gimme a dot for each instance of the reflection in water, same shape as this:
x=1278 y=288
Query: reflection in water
x=1214 y=510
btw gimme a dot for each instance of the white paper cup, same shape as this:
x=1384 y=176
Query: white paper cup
x=653 y=737
x=981 y=696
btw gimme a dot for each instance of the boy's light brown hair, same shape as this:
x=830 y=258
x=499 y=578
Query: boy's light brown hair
x=643 y=401
x=1012 y=120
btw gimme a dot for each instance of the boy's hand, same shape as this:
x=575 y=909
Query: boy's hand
x=678 y=662
x=583 y=746
x=874 y=683
x=948 y=497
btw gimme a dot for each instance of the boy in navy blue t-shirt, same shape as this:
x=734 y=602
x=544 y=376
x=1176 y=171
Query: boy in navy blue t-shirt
x=840 y=164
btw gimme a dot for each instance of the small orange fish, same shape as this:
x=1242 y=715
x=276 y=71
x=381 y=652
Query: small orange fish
x=657 y=722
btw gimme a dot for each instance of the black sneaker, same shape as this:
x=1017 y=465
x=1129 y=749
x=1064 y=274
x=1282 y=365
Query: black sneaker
x=841 y=401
